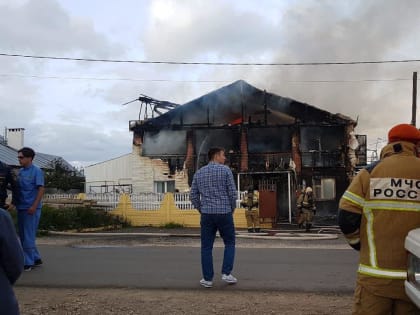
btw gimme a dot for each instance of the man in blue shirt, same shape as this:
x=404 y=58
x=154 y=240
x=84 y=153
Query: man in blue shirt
x=213 y=194
x=31 y=189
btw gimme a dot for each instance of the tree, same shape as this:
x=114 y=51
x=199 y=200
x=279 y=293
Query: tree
x=63 y=177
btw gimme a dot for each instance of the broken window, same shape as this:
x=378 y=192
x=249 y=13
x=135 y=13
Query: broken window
x=267 y=140
x=324 y=188
x=165 y=143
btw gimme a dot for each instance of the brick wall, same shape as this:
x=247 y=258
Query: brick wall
x=145 y=171
x=296 y=153
x=244 y=151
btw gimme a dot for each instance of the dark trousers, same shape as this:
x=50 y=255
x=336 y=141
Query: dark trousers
x=210 y=224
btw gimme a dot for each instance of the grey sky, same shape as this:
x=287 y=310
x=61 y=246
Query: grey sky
x=83 y=120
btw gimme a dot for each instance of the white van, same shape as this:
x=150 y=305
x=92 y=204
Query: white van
x=412 y=284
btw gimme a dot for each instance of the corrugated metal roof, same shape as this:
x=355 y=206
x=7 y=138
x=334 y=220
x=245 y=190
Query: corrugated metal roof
x=8 y=155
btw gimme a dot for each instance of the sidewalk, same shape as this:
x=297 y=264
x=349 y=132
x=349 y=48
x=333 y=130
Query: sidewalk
x=285 y=237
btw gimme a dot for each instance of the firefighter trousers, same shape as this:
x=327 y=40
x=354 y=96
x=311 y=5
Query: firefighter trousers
x=252 y=219
x=307 y=216
x=366 y=302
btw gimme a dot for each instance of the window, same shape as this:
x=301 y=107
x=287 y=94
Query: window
x=324 y=188
x=164 y=186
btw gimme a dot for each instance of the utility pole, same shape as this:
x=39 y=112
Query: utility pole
x=414 y=106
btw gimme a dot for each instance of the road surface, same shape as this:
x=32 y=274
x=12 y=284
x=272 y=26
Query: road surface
x=178 y=267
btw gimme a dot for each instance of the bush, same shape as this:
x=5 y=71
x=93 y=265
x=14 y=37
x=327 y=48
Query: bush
x=76 y=219
x=172 y=225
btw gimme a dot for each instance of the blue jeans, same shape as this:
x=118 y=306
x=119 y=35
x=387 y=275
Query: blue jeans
x=27 y=226
x=210 y=223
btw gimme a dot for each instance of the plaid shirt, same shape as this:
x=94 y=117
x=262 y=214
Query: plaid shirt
x=213 y=189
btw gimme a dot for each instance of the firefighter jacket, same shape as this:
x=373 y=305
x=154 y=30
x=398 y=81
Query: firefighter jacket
x=306 y=201
x=387 y=198
x=250 y=200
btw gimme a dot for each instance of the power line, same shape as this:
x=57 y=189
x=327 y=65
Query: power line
x=214 y=63
x=189 y=81
x=107 y=79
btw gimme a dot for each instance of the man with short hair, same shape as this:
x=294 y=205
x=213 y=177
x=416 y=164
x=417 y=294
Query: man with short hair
x=213 y=194
x=376 y=212
x=31 y=189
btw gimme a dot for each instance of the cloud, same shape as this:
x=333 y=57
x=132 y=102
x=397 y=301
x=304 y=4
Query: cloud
x=323 y=33
x=181 y=30
x=88 y=142
x=44 y=27
x=304 y=31
x=49 y=109
x=83 y=120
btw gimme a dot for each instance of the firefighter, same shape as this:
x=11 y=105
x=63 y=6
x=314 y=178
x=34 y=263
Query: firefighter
x=250 y=203
x=306 y=209
x=299 y=213
x=376 y=212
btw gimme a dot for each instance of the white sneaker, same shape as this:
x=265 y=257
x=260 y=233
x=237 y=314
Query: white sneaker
x=206 y=284
x=229 y=278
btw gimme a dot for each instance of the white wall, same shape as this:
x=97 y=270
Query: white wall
x=15 y=138
x=112 y=172
x=134 y=169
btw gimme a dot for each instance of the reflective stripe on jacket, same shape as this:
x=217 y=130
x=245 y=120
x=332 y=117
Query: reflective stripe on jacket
x=250 y=202
x=388 y=197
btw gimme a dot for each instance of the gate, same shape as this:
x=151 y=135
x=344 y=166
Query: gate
x=268 y=200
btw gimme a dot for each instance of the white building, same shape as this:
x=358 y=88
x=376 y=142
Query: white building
x=133 y=173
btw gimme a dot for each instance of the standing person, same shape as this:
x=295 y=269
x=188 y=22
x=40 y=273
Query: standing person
x=379 y=208
x=11 y=264
x=6 y=181
x=306 y=208
x=250 y=202
x=213 y=194
x=299 y=213
x=31 y=189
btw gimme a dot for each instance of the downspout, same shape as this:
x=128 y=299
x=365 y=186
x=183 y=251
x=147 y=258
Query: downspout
x=265 y=108
x=289 y=197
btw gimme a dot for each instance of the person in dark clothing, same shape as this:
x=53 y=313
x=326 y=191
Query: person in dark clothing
x=7 y=182
x=11 y=264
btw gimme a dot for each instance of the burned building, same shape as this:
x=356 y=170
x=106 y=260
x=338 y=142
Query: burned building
x=276 y=144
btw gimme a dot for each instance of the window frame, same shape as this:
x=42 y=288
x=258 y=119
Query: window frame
x=319 y=189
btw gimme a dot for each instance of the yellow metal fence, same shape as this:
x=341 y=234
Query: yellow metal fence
x=150 y=209
x=167 y=213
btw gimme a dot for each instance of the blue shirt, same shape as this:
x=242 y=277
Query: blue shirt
x=29 y=180
x=213 y=189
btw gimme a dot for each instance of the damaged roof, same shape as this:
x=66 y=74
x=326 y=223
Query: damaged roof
x=241 y=102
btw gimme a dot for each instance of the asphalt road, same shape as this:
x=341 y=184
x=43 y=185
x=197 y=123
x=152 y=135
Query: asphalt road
x=309 y=270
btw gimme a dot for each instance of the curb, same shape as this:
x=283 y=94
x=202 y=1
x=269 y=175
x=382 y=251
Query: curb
x=263 y=236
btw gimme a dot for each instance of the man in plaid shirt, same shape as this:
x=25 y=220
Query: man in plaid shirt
x=213 y=194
